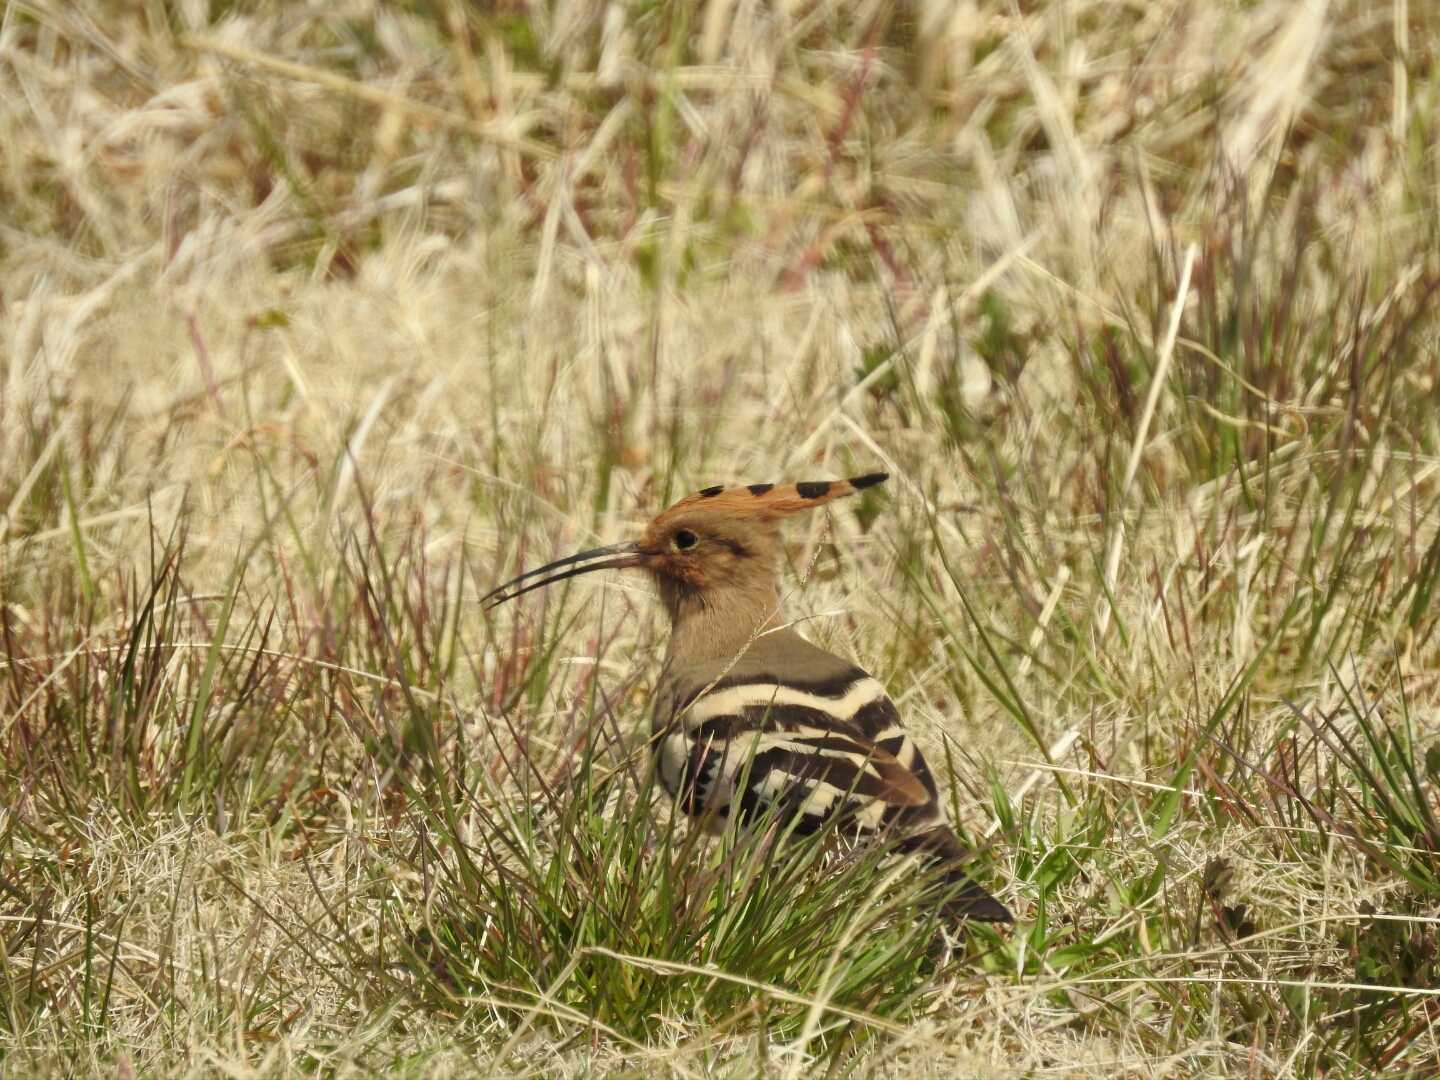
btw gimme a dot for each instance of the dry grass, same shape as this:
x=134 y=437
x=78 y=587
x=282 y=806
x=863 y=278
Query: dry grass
x=318 y=319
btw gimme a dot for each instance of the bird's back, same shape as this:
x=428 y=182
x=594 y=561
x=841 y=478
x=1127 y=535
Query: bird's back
x=792 y=723
x=790 y=727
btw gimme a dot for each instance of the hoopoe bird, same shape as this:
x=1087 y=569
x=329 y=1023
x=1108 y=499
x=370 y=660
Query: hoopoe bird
x=750 y=716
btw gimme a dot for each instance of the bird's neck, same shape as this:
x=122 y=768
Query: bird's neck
x=718 y=624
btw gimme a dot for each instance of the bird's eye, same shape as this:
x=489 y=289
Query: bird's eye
x=683 y=539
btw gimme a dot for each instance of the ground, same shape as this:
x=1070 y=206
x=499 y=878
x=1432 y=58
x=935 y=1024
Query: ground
x=319 y=320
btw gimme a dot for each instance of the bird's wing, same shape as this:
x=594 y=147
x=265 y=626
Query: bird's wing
x=803 y=731
x=812 y=774
x=843 y=700
x=823 y=747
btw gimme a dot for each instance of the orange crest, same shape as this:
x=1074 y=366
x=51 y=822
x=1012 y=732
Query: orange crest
x=769 y=501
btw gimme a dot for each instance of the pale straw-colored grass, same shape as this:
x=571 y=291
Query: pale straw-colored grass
x=379 y=302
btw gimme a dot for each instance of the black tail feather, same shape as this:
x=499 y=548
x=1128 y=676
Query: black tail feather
x=967 y=900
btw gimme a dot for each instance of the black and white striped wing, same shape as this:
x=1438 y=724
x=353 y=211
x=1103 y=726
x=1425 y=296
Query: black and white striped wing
x=813 y=750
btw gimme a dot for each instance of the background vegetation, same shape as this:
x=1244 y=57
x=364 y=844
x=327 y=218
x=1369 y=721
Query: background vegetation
x=319 y=319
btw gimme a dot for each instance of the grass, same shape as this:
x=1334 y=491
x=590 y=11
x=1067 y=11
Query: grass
x=318 y=321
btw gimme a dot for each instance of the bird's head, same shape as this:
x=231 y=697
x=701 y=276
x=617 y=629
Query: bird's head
x=711 y=551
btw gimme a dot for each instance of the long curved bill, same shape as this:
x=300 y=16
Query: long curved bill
x=613 y=557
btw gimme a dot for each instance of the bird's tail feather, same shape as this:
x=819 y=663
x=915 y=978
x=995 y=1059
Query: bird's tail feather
x=967 y=900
